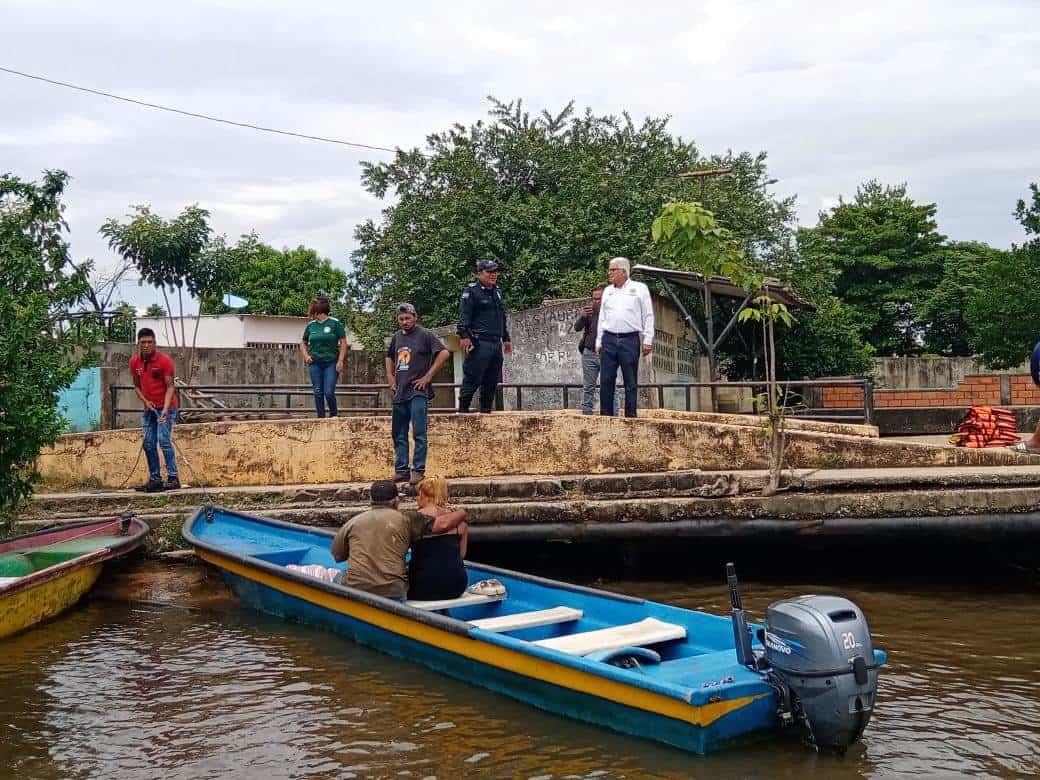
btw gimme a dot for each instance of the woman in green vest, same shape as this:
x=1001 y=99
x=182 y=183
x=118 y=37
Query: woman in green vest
x=324 y=349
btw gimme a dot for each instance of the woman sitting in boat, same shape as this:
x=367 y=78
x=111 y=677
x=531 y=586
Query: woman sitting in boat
x=436 y=570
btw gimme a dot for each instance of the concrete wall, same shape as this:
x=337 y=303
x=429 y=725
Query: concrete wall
x=80 y=404
x=231 y=330
x=545 y=350
x=929 y=373
x=359 y=449
x=246 y=366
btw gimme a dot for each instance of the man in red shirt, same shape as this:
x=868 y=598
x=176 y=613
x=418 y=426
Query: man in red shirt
x=153 y=381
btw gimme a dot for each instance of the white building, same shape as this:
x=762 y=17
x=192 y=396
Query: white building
x=232 y=330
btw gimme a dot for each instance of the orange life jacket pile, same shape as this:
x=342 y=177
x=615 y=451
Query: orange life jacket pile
x=986 y=426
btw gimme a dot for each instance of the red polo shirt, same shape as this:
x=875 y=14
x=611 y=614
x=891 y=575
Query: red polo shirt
x=152 y=377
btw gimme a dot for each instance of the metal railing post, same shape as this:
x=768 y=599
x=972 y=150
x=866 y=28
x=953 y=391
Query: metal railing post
x=868 y=400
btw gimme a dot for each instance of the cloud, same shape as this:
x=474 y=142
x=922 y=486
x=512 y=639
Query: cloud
x=939 y=94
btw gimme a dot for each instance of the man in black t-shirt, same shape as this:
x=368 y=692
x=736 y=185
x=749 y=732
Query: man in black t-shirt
x=414 y=356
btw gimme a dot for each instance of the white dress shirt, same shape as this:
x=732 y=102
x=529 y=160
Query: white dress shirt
x=626 y=309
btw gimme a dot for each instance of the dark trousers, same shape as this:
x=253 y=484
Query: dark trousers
x=619 y=350
x=323 y=379
x=412 y=412
x=482 y=368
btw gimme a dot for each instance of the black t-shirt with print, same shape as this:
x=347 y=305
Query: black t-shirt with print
x=412 y=354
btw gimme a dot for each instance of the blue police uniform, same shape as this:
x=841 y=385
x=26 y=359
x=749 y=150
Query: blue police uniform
x=482 y=319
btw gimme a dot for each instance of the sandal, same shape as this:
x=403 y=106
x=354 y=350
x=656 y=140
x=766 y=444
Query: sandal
x=1024 y=449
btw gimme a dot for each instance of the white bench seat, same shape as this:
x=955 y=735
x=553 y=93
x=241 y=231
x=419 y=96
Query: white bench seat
x=646 y=632
x=540 y=617
x=465 y=600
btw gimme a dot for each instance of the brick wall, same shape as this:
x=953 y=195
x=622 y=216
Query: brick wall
x=971 y=391
x=1024 y=392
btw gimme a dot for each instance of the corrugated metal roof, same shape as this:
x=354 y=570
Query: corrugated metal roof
x=779 y=292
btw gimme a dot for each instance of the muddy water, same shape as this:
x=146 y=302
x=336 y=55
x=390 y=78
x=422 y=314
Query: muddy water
x=141 y=690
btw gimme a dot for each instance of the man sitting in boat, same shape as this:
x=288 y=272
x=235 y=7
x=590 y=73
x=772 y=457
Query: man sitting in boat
x=376 y=541
x=436 y=570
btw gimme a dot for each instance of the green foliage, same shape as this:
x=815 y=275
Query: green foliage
x=39 y=287
x=690 y=239
x=885 y=250
x=551 y=196
x=164 y=252
x=155 y=310
x=1004 y=313
x=276 y=281
x=1029 y=213
x=943 y=312
x=123 y=328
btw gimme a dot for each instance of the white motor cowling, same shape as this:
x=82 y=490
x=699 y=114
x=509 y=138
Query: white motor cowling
x=820 y=649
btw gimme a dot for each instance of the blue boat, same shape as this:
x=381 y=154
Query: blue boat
x=697 y=681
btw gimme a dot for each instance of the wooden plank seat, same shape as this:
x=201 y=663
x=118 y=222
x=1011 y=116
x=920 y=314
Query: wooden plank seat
x=645 y=632
x=8 y=580
x=539 y=617
x=465 y=600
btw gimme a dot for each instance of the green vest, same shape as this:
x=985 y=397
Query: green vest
x=322 y=339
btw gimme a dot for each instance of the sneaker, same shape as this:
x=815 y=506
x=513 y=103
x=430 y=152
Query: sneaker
x=416 y=478
x=151 y=486
x=173 y=483
x=399 y=477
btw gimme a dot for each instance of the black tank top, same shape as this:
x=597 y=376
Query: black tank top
x=436 y=570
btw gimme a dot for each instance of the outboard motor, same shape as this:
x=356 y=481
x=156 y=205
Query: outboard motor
x=822 y=661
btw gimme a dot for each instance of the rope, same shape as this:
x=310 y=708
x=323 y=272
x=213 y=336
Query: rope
x=194 y=476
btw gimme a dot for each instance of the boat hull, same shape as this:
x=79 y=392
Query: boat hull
x=42 y=574
x=550 y=686
x=45 y=600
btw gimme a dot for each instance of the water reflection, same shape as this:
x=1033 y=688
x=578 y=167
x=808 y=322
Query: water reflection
x=119 y=691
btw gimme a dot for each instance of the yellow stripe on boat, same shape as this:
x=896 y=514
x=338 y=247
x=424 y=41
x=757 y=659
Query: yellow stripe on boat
x=26 y=607
x=493 y=655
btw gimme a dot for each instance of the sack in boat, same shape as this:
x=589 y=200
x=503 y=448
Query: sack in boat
x=490 y=587
x=315 y=570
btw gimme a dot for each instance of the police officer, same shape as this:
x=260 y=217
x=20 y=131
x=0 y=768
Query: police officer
x=483 y=336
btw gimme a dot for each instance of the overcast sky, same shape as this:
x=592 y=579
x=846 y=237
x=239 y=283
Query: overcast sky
x=943 y=95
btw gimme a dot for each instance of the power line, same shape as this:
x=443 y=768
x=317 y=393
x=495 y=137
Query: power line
x=196 y=115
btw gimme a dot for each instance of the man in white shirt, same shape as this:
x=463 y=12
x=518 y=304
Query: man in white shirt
x=624 y=332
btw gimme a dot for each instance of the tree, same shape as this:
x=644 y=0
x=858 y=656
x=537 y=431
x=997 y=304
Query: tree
x=123 y=326
x=164 y=252
x=39 y=286
x=1029 y=213
x=551 y=196
x=173 y=255
x=943 y=312
x=1004 y=313
x=277 y=281
x=154 y=310
x=885 y=250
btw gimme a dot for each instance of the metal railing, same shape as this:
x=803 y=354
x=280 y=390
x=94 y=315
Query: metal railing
x=376 y=393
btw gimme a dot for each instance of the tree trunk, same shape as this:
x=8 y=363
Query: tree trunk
x=169 y=315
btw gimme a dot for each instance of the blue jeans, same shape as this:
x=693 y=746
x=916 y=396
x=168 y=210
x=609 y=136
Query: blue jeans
x=413 y=412
x=156 y=433
x=590 y=380
x=323 y=379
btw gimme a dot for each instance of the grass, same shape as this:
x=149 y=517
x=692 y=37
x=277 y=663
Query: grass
x=168 y=535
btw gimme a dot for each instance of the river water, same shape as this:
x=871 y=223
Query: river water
x=208 y=689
